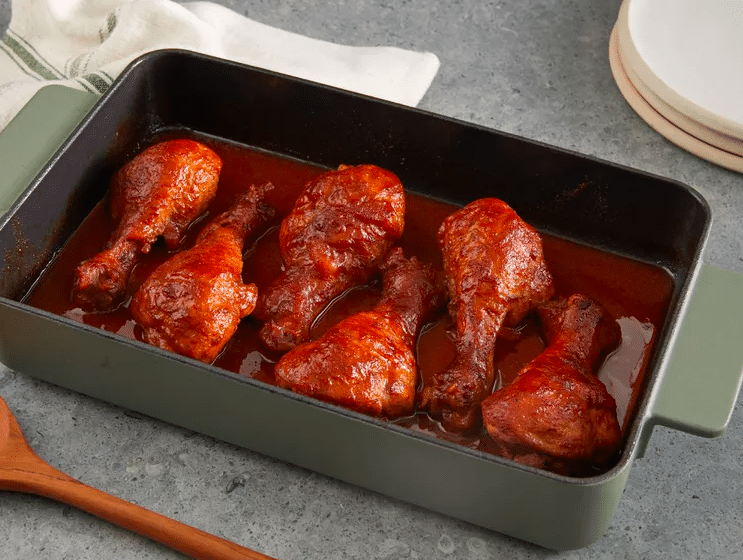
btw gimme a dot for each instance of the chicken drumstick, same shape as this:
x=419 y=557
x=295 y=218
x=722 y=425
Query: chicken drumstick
x=557 y=414
x=496 y=274
x=192 y=303
x=366 y=362
x=158 y=193
x=340 y=229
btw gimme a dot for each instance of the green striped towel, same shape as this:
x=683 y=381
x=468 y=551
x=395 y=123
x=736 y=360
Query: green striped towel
x=85 y=44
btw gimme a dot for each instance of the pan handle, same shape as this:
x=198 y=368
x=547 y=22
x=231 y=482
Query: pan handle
x=34 y=135
x=703 y=374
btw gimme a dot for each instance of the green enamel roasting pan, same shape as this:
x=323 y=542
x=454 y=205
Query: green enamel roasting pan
x=57 y=156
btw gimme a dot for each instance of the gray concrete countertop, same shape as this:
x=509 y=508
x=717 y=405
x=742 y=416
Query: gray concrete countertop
x=536 y=68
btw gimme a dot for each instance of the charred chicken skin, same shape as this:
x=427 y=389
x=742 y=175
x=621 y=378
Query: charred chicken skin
x=158 y=193
x=193 y=302
x=496 y=274
x=557 y=414
x=341 y=227
x=367 y=362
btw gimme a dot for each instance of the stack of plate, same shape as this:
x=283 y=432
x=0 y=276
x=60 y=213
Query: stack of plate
x=679 y=64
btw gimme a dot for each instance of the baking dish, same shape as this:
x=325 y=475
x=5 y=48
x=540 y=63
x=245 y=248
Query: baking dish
x=693 y=375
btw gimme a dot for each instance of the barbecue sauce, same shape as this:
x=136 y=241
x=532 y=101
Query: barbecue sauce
x=635 y=293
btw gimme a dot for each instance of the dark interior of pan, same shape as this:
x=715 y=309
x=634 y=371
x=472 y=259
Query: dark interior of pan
x=614 y=208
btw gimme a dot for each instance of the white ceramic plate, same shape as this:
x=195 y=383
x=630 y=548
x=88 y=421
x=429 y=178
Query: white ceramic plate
x=690 y=54
x=686 y=121
x=660 y=123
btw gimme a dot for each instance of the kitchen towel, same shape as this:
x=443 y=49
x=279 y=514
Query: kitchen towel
x=85 y=44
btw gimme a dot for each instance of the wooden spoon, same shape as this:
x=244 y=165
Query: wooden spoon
x=21 y=470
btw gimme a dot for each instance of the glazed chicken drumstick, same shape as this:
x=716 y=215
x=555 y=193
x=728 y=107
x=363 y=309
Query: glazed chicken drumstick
x=335 y=237
x=193 y=302
x=367 y=362
x=158 y=193
x=496 y=274
x=557 y=414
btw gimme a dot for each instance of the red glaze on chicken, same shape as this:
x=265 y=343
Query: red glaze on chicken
x=557 y=414
x=335 y=237
x=367 y=361
x=496 y=274
x=158 y=193
x=193 y=302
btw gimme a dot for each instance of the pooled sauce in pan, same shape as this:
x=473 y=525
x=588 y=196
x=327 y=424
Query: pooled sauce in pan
x=635 y=293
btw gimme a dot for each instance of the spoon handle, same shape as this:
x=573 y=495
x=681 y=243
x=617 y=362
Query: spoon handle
x=45 y=480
